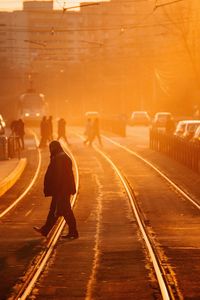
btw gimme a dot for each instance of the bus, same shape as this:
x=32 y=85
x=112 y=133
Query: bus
x=32 y=107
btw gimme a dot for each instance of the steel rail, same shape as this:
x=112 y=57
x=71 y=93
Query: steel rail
x=175 y=186
x=158 y=271
x=8 y=209
x=161 y=281
x=37 y=269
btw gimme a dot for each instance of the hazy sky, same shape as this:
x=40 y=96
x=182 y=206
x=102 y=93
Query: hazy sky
x=9 y=4
x=17 y=4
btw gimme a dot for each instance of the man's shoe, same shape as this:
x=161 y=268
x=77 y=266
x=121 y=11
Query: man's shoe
x=71 y=236
x=37 y=229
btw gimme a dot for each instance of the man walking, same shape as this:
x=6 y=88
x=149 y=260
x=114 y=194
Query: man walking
x=43 y=132
x=88 y=132
x=59 y=183
x=62 y=130
x=96 y=131
x=50 y=128
x=21 y=132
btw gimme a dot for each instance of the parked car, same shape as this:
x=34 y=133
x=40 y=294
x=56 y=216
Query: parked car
x=140 y=118
x=2 y=125
x=196 y=136
x=186 y=128
x=160 y=119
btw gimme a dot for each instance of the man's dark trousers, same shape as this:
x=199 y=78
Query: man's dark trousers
x=60 y=206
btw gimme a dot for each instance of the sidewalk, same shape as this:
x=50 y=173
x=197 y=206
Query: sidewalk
x=10 y=172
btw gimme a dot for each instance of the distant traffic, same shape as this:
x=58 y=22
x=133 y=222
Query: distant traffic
x=187 y=129
x=32 y=106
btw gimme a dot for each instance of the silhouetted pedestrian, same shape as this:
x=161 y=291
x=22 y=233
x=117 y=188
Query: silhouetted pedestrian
x=17 y=128
x=59 y=183
x=96 y=131
x=13 y=127
x=43 y=132
x=50 y=128
x=88 y=132
x=20 y=132
x=62 y=130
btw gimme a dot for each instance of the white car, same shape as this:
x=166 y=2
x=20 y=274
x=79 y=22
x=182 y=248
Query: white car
x=160 y=119
x=186 y=128
x=140 y=118
x=196 y=136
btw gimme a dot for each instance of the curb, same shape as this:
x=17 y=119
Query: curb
x=11 y=179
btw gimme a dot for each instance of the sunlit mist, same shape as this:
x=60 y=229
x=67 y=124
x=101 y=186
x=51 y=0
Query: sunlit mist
x=113 y=57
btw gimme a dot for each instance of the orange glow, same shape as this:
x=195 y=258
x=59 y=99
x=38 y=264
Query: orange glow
x=112 y=57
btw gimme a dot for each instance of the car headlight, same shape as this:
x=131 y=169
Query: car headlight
x=27 y=114
x=37 y=114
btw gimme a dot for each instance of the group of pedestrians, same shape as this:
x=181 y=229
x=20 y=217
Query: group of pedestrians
x=92 y=131
x=46 y=130
x=17 y=130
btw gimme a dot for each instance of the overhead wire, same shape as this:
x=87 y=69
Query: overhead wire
x=167 y=3
x=116 y=27
x=121 y=28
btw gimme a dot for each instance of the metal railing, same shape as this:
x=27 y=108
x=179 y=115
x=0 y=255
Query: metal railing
x=10 y=147
x=187 y=153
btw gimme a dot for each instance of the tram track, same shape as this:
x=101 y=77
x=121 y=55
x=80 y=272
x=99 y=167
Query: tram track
x=168 y=290
x=164 y=287
x=101 y=247
x=166 y=270
x=39 y=262
x=170 y=182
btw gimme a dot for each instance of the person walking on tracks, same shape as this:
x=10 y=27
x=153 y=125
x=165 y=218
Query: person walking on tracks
x=88 y=132
x=50 y=128
x=96 y=131
x=17 y=128
x=43 y=132
x=62 y=130
x=21 y=132
x=59 y=183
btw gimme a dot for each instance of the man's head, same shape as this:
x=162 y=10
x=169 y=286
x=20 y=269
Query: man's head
x=55 y=148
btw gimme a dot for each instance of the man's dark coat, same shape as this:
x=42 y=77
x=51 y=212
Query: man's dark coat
x=59 y=177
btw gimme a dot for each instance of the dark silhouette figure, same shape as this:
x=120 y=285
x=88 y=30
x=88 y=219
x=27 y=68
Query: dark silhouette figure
x=17 y=128
x=88 y=132
x=59 y=183
x=50 y=128
x=62 y=130
x=13 y=127
x=20 y=132
x=43 y=132
x=96 y=131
